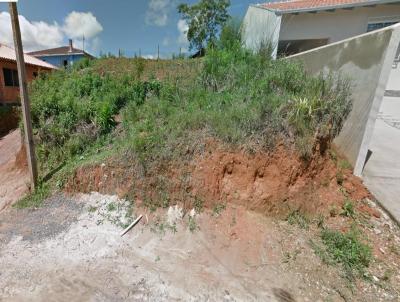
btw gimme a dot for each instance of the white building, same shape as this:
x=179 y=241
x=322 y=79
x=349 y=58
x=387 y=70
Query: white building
x=297 y=25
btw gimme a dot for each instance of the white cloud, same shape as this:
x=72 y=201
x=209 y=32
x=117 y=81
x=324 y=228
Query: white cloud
x=38 y=35
x=158 y=12
x=183 y=28
x=35 y=35
x=77 y=24
x=150 y=57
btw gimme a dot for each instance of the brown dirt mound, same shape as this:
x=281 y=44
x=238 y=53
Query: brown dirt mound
x=273 y=183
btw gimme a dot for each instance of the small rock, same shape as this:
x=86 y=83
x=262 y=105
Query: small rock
x=192 y=213
x=376 y=279
x=377 y=231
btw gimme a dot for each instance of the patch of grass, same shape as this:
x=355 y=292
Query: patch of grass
x=192 y=224
x=35 y=199
x=344 y=164
x=111 y=207
x=348 y=209
x=345 y=249
x=299 y=219
x=218 y=209
x=92 y=209
x=198 y=204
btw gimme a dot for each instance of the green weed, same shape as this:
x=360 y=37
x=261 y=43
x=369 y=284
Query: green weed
x=348 y=209
x=345 y=249
x=198 y=205
x=192 y=224
x=217 y=209
x=35 y=199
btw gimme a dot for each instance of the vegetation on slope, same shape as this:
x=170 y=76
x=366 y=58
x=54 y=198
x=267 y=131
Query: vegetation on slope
x=240 y=97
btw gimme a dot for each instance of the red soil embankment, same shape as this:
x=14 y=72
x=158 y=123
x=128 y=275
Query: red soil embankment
x=14 y=177
x=273 y=183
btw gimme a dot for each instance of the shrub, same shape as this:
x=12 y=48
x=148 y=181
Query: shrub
x=73 y=108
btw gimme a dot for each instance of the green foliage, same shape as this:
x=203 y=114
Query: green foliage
x=35 y=199
x=239 y=97
x=217 y=209
x=71 y=109
x=198 y=205
x=348 y=209
x=205 y=20
x=192 y=224
x=345 y=249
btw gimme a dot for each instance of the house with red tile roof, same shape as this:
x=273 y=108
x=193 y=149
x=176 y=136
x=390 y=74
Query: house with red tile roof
x=298 y=25
x=9 y=85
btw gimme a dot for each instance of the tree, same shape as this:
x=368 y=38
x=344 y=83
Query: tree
x=205 y=19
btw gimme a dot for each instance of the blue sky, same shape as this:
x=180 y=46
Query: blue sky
x=126 y=24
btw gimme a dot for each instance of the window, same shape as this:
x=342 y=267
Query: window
x=65 y=63
x=35 y=74
x=379 y=25
x=10 y=77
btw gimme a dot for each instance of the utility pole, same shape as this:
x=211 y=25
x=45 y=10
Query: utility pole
x=26 y=113
x=158 y=52
x=83 y=42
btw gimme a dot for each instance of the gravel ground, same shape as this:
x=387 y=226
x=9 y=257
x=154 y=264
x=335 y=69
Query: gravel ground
x=71 y=250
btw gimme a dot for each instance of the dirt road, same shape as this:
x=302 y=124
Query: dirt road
x=71 y=250
x=14 y=176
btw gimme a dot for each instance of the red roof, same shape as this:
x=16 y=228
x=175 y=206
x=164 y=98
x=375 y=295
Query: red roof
x=311 y=5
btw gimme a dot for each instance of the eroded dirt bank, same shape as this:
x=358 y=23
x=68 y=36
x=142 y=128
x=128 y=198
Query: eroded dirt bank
x=14 y=178
x=274 y=183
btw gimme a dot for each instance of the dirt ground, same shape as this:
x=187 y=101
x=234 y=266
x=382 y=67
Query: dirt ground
x=14 y=178
x=71 y=250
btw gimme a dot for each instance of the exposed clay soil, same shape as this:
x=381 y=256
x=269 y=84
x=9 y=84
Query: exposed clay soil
x=273 y=183
x=14 y=177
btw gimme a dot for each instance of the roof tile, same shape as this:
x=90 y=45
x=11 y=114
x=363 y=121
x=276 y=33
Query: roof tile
x=7 y=53
x=291 y=5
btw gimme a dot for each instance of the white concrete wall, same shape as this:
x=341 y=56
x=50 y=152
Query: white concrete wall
x=367 y=60
x=394 y=79
x=336 y=26
x=260 y=25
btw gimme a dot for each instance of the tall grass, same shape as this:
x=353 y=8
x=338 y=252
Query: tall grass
x=240 y=97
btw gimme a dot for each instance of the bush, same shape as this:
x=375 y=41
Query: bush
x=73 y=108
